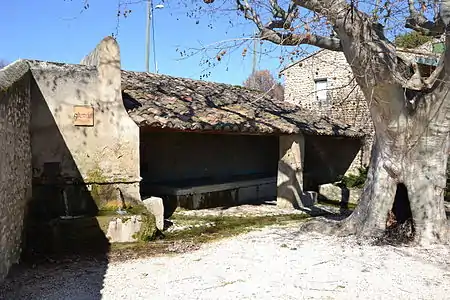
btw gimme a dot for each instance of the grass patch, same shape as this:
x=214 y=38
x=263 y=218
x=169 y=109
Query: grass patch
x=190 y=239
x=356 y=181
x=226 y=226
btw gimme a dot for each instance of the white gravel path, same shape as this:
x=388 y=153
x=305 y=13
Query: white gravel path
x=273 y=263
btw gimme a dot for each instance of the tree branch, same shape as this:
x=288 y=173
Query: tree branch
x=277 y=11
x=283 y=21
x=419 y=23
x=331 y=9
x=292 y=13
x=291 y=39
x=416 y=82
x=249 y=13
x=284 y=18
x=430 y=81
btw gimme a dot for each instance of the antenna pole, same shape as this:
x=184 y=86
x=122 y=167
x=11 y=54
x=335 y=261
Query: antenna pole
x=254 y=53
x=147 y=38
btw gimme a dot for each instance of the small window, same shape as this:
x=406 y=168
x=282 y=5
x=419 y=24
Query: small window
x=321 y=86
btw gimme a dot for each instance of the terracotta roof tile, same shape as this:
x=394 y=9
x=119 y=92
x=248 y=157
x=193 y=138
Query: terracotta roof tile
x=163 y=101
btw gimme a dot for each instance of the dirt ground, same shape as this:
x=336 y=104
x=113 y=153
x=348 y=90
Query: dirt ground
x=274 y=262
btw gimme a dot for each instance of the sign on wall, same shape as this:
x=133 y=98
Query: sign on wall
x=83 y=116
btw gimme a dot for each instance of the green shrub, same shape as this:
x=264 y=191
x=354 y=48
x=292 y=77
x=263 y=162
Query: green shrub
x=356 y=181
x=411 y=40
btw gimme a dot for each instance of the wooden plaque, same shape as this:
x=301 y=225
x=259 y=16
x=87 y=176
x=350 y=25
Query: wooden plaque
x=83 y=116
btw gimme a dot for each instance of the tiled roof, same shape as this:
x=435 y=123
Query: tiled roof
x=163 y=101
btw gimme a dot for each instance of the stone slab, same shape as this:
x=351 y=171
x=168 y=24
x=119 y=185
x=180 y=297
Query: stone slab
x=124 y=229
x=156 y=207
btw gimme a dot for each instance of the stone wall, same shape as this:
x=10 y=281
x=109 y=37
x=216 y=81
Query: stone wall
x=80 y=168
x=15 y=160
x=345 y=100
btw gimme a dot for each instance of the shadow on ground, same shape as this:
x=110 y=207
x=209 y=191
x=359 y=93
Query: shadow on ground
x=67 y=260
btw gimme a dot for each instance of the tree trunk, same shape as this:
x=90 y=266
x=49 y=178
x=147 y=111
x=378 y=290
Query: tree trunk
x=411 y=145
x=411 y=148
x=422 y=171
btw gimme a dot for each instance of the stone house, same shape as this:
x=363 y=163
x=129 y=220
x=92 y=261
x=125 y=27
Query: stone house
x=323 y=82
x=82 y=138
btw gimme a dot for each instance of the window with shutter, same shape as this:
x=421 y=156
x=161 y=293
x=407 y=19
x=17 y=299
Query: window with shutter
x=321 y=86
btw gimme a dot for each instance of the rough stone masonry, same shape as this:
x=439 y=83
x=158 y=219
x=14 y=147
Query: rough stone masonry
x=37 y=100
x=15 y=160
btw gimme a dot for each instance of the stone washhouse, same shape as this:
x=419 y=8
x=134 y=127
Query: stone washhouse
x=81 y=138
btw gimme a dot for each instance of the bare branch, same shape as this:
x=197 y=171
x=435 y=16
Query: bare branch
x=292 y=13
x=429 y=82
x=331 y=9
x=291 y=39
x=277 y=11
x=417 y=82
x=418 y=22
x=249 y=13
x=283 y=20
x=415 y=14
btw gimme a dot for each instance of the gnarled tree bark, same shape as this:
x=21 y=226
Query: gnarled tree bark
x=411 y=147
x=411 y=139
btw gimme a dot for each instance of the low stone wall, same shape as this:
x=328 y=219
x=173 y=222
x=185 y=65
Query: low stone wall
x=217 y=195
x=15 y=160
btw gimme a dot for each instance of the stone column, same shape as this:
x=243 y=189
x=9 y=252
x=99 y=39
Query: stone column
x=290 y=171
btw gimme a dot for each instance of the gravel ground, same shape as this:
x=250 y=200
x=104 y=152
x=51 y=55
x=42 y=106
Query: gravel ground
x=273 y=263
x=268 y=208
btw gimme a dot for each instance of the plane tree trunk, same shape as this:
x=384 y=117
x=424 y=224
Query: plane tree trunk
x=413 y=152
x=411 y=147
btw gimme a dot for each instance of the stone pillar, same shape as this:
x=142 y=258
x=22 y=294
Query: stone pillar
x=103 y=152
x=290 y=171
x=121 y=155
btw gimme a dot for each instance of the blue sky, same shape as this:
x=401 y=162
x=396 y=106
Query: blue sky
x=55 y=30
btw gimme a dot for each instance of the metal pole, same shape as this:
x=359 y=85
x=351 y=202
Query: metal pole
x=254 y=53
x=147 y=40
